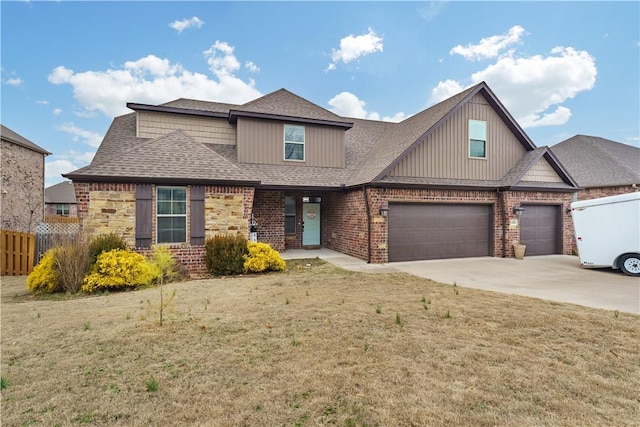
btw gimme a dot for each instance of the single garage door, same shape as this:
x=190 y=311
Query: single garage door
x=540 y=229
x=436 y=231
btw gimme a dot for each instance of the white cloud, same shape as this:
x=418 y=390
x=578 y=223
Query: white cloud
x=42 y=102
x=347 y=104
x=533 y=88
x=249 y=65
x=353 y=47
x=92 y=139
x=489 y=47
x=156 y=80
x=59 y=163
x=57 y=111
x=431 y=10
x=181 y=25
x=15 y=81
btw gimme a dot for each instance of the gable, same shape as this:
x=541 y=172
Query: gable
x=444 y=153
x=206 y=130
x=542 y=171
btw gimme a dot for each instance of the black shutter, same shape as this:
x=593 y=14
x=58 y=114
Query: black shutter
x=197 y=215
x=144 y=215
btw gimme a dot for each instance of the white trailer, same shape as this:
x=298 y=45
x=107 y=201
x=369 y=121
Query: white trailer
x=608 y=232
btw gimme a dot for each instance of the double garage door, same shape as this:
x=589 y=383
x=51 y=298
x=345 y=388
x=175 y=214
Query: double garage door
x=437 y=231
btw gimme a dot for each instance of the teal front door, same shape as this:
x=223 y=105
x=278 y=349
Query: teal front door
x=311 y=224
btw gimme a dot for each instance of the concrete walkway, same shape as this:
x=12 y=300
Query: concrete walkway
x=552 y=277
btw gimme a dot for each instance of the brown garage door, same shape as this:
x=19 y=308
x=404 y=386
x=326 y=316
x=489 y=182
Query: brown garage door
x=539 y=229
x=434 y=231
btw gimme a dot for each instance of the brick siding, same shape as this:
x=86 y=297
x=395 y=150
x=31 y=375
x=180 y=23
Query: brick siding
x=268 y=209
x=233 y=205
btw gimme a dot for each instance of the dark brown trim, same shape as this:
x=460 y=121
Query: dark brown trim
x=176 y=110
x=300 y=188
x=234 y=114
x=172 y=181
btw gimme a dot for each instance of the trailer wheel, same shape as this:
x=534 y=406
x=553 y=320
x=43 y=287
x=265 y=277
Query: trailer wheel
x=630 y=264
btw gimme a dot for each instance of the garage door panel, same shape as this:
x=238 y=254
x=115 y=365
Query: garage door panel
x=438 y=231
x=540 y=229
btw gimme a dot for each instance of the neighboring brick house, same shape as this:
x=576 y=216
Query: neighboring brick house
x=60 y=200
x=22 y=189
x=447 y=182
x=599 y=166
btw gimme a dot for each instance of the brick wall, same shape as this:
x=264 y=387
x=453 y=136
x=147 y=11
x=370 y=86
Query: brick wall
x=344 y=223
x=22 y=188
x=597 y=192
x=110 y=207
x=268 y=209
x=345 y=226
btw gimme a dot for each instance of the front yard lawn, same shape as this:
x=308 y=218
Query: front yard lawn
x=317 y=345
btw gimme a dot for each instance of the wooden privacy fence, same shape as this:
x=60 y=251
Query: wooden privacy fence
x=18 y=251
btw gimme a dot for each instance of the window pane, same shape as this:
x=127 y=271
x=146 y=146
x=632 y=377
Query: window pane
x=290 y=205
x=294 y=133
x=477 y=130
x=477 y=148
x=172 y=229
x=294 y=151
x=290 y=224
x=164 y=194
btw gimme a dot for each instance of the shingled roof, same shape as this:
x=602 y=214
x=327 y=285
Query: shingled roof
x=175 y=157
x=372 y=147
x=15 y=138
x=598 y=162
x=61 y=192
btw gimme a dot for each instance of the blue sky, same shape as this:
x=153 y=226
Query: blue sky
x=560 y=68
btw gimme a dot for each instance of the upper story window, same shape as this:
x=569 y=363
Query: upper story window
x=171 y=212
x=477 y=139
x=294 y=142
x=62 y=209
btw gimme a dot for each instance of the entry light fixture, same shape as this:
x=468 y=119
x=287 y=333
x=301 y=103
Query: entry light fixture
x=384 y=212
x=518 y=211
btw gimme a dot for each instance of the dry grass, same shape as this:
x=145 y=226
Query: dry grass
x=316 y=346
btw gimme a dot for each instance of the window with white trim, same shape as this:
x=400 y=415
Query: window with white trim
x=294 y=142
x=62 y=209
x=171 y=215
x=477 y=139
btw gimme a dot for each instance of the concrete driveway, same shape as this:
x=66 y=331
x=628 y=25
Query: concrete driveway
x=552 y=277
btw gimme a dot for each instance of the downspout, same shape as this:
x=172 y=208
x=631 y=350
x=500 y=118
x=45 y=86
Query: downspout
x=366 y=204
x=504 y=222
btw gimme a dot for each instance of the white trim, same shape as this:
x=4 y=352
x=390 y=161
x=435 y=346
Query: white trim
x=469 y=139
x=303 y=143
x=185 y=215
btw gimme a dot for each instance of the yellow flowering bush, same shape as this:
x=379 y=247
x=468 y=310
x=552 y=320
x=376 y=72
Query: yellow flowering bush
x=120 y=269
x=45 y=278
x=262 y=257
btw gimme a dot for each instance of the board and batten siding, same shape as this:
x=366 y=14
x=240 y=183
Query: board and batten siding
x=445 y=153
x=262 y=141
x=542 y=172
x=207 y=130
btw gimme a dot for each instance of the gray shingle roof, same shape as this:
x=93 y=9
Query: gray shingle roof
x=175 y=156
x=371 y=147
x=284 y=103
x=15 y=138
x=61 y=192
x=599 y=162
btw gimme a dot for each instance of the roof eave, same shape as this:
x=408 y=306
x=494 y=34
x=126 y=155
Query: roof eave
x=175 y=110
x=234 y=114
x=159 y=180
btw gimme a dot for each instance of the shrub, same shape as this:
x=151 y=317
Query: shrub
x=73 y=262
x=119 y=269
x=262 y=257
x=224 y=254
x=44 y=278
x=105 y=243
